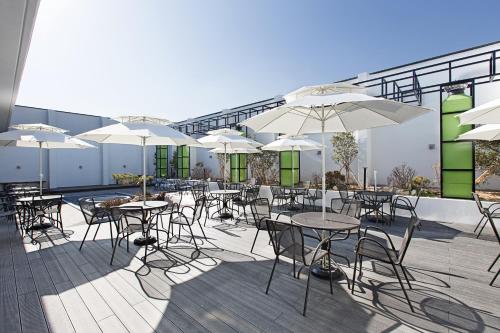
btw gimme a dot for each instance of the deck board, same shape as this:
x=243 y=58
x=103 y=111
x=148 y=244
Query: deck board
x=52 y=286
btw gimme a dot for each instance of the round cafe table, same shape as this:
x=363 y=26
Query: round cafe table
x=333 y=224
x=25 y=201
x=374 y=201
x=147 y=206
x=225 y=195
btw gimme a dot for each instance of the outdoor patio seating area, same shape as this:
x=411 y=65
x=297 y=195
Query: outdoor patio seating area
x=200 y=275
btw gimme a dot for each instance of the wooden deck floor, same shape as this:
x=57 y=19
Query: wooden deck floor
x=51 y=286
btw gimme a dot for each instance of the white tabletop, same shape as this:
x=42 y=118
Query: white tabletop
x=225 y=192
x=40 y=198
x=145 y=205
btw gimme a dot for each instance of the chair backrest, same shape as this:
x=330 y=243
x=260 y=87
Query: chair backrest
x=87 y=207
x=275 y=190
x=198 y=208
x=197 y=192
x=343 y=192
x=134 y=215
x=352 y=208
x=260 y=209
x=489 y=214
x=319 y=193
x=414 y=223
x=251 y=194
x=478 y=202
x=220 y=184
x=287 y=239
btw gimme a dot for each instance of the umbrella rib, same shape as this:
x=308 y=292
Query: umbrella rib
x=341 y=120
x=372 y=110
x=303 y=123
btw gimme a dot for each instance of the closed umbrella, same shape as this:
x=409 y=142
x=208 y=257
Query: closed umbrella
x=489 y=132
x=487 y=113
x=337 y=112
x=227 y=139
x=140 y=131
x=40 y=136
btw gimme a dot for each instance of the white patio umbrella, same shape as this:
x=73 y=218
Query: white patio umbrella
x=293 y=143
x=489 y=132
x=338 y=112
x=236 y=151
x=227 y=139
x=140 y=131
x=487 y=113
x=40 y=136
x=323 y=89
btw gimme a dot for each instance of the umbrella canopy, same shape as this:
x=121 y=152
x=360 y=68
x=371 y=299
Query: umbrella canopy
x=488 y=113
x=337 y=112
x=227 y=139
x=487 y=132
x=40 y=136
x=323 y=89
x=293 y=142
x=140 y=131
x=236 y=151
x=344 y=112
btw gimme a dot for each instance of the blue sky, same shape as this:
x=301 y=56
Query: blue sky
x=181 y=59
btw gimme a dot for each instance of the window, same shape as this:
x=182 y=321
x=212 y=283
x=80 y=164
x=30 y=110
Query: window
x=238 y=163
x=183 y=162
x=286 y=167
x=161 y=161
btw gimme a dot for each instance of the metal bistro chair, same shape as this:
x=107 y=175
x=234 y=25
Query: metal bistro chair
x=344 y=194
x=312 y=196
x=201 y=190
x=181 y=219
x=288 y=241
x=94 y=216
x=484 y=212
x=404 y=203
x=248 y=196
x=53 y=207
x=372 y=248
x=133 y=219
x=261 y=210
x=279 y=194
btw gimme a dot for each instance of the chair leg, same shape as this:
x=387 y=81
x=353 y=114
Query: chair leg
x=253 y=244
x=354 y=272
x=114 y=247
x=95 y=235
x=111 y=232
x=402 y=287
x=307 y=291
x=271 y=276
x=481 y=230
x=202 y=231
x=480 y=221
x=493 y=263
x=406 y=275
x=83 y=240
x=192 y=236
x=360 y=264
x=495 y=277
x=330 y=272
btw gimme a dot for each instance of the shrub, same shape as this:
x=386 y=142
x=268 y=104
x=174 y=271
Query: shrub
x=200 y=172
x=401 y=176
x=334 y=178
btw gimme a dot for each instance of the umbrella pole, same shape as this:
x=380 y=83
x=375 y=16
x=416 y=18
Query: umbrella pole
x=40 y=165
x=323 y=167
x=293 y=173
x=144 y=170
x=224 y=167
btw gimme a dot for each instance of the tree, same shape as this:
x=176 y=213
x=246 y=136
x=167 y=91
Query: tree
x=487 y=159
x=263 y=166
x=345 y=150
x=223 y=167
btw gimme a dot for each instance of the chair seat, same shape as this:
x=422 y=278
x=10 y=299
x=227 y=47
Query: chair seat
x=374 y=251
x=402 y=206
x=179 y=220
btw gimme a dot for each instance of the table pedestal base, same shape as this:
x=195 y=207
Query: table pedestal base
x=141 y=241
x=320 y=272
x=225 y=215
